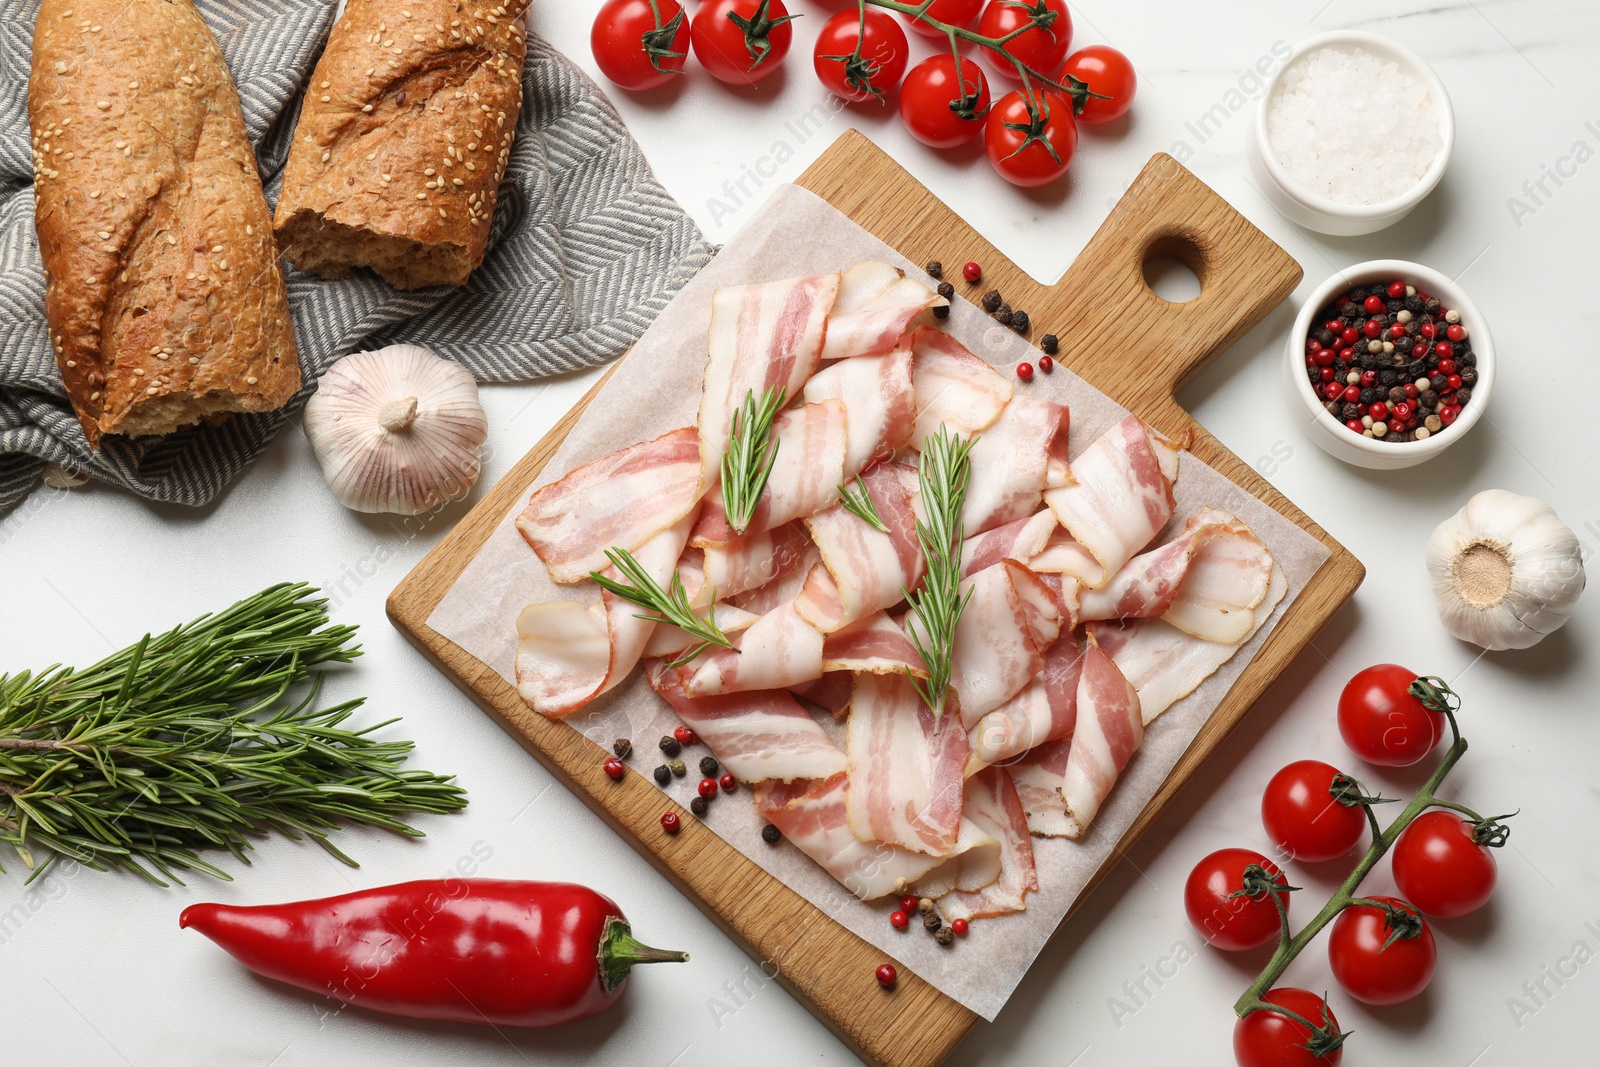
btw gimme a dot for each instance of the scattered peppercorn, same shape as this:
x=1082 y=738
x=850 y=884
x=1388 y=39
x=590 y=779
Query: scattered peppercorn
x=908 y=904
x=684 y=736
x=1049 y=343
x=1025 y=370
x=708 y=766
x=990 y=301
x=958 y=927
x=699 y=805
x=886 y=972
x=1019 y=321
x=899 y=920
x=728 y=783
x=944 y=935
x=662 y=775
x=935 y=269
x=677 y=768
x=1047 y=364
x=1002 y=314
x=931 y=921
x=771 y=834
x=925 y=905
x=622 y=747
x=972 y=273
x=947 y=290
x=707 y=788
x=669 y=745
x=614 y=768
x=670 y=822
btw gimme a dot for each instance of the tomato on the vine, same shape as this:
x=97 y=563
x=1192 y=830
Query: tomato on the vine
x=1266 y=1038
x=941 y=107
x=855 y=65
x=1383 y=722
x=1109 y=75
x=1229 y=912
x=1442 y=867
x=640 y=45
x=960 y=13
x=1030 y=146
x=741 y=41
x=1382 y=955
x=1041 y=47
x=1304 y=816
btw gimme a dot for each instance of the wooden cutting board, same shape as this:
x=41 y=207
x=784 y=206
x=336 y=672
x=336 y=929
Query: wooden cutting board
x=1117 y=334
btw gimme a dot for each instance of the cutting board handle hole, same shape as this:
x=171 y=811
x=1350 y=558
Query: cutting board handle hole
x=1174 y=269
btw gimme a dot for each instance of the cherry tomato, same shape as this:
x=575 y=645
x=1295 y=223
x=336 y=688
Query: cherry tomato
x=1232 y=923
x=1302 y=817
x=1365 y=968
x=1382 y=722
x=741 y=41
x=1030 y=149
x=940 y=107
x=1042 y=48
x=1109 y=75
x=962 y=13
x=632 y=49
x=1268 y=1039
x=1440 y=866
x=873 y=73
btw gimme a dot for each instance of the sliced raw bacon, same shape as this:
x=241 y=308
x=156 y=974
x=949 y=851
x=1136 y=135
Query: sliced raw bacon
x=864 y=569
x=669 y=641
x=993 y=805
x=620 y=500
x=570 y=653
x=777 y=650
x=876 y=303
x=874 y=645
x=1064 y=556
x=805 y=478
x=905 y=769
x=750 y=562
x=1022 y=540
x=831 y=692
x=1121 y=493
x=1047 y=710
x=762 y=336
x=1037 y=777
x=1009 y=463
x=756 y=736
x=953 y=387
x=1108 y=730
x=876 y=392
x=1165 y=664
x=781 y=590
x=1010 y=620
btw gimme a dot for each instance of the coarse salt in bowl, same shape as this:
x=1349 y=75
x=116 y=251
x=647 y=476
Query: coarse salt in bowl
x=1333 y=436
x=1351 y=134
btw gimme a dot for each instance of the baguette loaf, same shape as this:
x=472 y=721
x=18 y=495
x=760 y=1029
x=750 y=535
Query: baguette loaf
x=164 y=293
x=403 y=139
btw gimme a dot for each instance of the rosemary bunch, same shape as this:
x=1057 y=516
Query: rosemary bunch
x=196 y=739
x=937 y=605
x=752 y=450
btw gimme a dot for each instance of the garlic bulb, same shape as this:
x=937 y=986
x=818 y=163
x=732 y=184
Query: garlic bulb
x=397 y=430
x=1506 y=571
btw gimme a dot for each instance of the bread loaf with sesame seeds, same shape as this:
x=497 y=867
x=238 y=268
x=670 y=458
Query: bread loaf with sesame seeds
x=164 y=294
x=403 y=138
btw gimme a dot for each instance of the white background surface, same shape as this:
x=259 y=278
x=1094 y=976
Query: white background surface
x=94 y=970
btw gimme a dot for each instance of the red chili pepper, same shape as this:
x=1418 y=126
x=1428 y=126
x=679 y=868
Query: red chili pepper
x=484 y=951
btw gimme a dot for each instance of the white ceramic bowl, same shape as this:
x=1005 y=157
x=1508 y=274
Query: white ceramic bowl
x=1319 y=213
x=1330 y=433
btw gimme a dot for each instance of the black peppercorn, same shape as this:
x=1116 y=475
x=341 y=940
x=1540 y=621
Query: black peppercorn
x=944 y=935
x=1324 y=336
x=677 y=768
x=708 y=766
x=669 y=745
x=1468 y=376
x=941 y=311
x=1433 y=305
x=1414 y=303
x=699 y=805
x=1387 y=377
x=1396 y=305
x=1396 y=395
x=1332 y=408
x=1415 y=368
x=1428 y=399
x=1350 y=411
x=662 y=775
x=1466 y=359
x=1369 y=396
x=931 y=921
x=771 y=834
x=1048 y=344
x=991 y=300
x=947 y=290
x=1350 y=312
x=622 y=747
x=935 y=269
x=1002 y=314
x=1366 y=361
x=1463 y=395
x=1019 y=321
x=1438 y=382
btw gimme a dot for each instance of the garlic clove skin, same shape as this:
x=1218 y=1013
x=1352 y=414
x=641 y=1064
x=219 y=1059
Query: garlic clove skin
x=1506 y=571
x=397 y=430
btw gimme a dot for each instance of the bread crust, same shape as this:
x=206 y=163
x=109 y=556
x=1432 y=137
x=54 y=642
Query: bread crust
x=165 y=297
x=403 y=139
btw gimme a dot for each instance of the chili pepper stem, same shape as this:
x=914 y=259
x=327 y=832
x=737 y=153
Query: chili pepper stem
x=620 y=950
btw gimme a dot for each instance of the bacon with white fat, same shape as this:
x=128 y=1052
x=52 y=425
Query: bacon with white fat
x=993 y=805
x=1009 y=463
x=1108 y=730
x=1121 y=493
x=881 y=405
x=953 y=387
x=1038 y=776
x=864 y=569
x=1021 y=540
x=1047 y=710
x=750 y=562
x=757 y=737
x=1010 y=620
x=1064 y=556
x=876 y=303
x=779 y=649
x=905 y=767
x=873 y=645
x=805 y=478
x=620 y=500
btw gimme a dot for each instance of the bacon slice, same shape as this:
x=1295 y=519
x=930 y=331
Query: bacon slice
x=993 y=805
x=905 y=769
x=1038 y=776
x=779 y=649
x=1022 y=540
x=1064 y=556
x=1010 y=461
x=874 y=645
x=831 y=692
x=762 y=336
x=620 y=500
x=1000 y=641
x=1165 y=664
x=1121 y=493
x=756 y=736
x=953 y=387
x=1047 y=710
x=876 y=392
x=1108 y=730
x=750 y=562
x=864 y=569
x=668 y=641
x=876 y=303
x=805 y=477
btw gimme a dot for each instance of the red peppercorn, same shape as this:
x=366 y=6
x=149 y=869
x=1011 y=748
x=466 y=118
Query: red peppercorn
x=1452 y=382
x=1351 y=394
x=1396 y=426
x=1025 y=370
x=887 y=975
x=1429 y=330
x=1047 y=364
x=1313 y=345
x=1326 y=374
x=908 y=904
x=1410 y=390
x=958 y=927
x=1371 y=328
x=1354 y=425
x=1397 y=290
x=1333 y=390
x=1396 y=332
x=1402 y=411
x=1419 y=350
x=1447 y=366
x=1374 y=304
x=1445 y=349
x=1346 y=354
x=1448 y=413
x=708 y=787
x=972 y=272
x=1369 y=378
x=614 y=767
x=1378 y=411
x=1349 y=334
x=684 y=735
x=899 y=920
x=670 y=823
x=1324 y=357
x=1455 y=332
x=728 y=782
x=1333 y=326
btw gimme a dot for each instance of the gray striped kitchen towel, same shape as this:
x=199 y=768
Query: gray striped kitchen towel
x=586 y=249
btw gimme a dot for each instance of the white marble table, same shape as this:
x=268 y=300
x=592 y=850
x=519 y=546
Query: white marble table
x=93 y=969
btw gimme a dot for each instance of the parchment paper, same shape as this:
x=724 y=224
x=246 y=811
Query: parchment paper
x=657 y=389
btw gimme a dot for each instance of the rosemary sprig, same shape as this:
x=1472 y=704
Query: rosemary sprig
x=752 y=450
x=858 y=503
x=938 y=604
x=200 y=738
x=670 y=605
